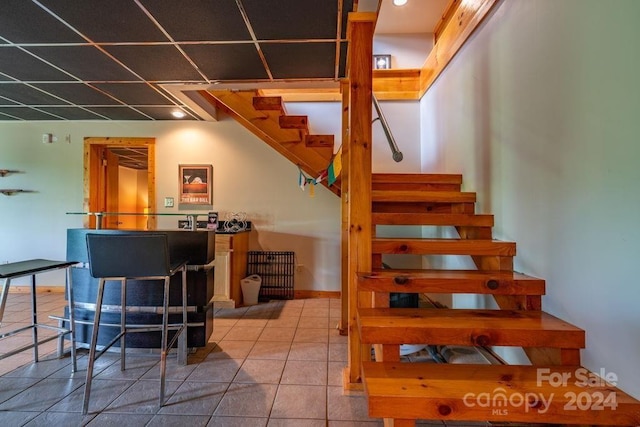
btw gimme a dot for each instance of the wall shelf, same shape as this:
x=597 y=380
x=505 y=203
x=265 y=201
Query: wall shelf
x=5 y=172
x=11 y=192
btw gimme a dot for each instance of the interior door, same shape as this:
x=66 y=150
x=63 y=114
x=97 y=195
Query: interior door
x=101 y=180
x=110 y=169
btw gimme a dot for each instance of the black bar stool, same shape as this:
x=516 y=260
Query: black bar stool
x=117 y=258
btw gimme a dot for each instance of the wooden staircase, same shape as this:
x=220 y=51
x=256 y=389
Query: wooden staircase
x=266 y=117
x=553 y=389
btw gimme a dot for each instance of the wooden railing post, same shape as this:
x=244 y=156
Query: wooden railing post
x=344 y=195
x=360 y=74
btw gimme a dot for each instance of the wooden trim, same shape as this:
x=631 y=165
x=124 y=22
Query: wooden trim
x=448 y=13
x=305 y=294
x=466 y=18
x=90 y=163
x=39 y=289
x=360 y=72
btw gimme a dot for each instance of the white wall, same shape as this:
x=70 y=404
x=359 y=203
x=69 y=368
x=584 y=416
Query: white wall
x=408 y=50
x=249 y=176
x=540 y=113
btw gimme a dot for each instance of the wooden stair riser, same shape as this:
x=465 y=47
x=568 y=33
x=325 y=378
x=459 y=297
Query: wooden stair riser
x=293 y=122
x=443 y=247
x=407 y=196
x=414 y=186
x=493 y=393
x=445 y=281
x=273 y=103
x=319 y=141
x=467 y=327
x=422 y=207
x=417 y=178
x=432 y=219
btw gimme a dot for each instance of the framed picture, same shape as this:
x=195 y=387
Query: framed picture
x=196 y=184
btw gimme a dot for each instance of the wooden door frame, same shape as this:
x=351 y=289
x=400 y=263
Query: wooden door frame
x=89 y=184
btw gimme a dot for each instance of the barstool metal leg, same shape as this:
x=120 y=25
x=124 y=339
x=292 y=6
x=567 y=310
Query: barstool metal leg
x=163 y=350
x=72 y=322
x=182 y=339
x=92 y=347
x=123 y=322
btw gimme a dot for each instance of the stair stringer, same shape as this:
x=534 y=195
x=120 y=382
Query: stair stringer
x=265 y=123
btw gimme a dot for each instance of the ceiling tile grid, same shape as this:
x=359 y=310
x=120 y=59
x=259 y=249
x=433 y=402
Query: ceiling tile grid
x=111 y=60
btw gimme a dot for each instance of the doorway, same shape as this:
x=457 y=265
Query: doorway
x=107 y=163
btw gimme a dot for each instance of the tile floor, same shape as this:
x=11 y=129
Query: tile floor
x=275 y=364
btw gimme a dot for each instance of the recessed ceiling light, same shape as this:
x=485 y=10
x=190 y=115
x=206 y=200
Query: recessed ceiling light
x=399 y=2
x=178 y=114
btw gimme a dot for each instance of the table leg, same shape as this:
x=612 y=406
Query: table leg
x=3 y=297
x=72 y=321
x=34 y=318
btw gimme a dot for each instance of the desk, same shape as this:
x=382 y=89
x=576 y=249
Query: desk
x=31 y=268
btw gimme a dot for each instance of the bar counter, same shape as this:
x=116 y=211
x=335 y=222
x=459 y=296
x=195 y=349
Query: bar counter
x=144 y=299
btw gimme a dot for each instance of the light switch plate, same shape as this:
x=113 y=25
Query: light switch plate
x=168 y=202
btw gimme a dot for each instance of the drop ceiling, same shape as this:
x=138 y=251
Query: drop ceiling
x=132 y=59
x=114 y=60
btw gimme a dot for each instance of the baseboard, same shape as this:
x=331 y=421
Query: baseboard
x=39 y=289
x=303 y=294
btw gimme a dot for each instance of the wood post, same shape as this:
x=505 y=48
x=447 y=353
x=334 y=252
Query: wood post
x=360 y=72
x=344 y=195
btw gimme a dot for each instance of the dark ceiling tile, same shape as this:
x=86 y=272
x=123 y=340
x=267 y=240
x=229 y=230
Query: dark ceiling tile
x=292 y=19
x=22 y=66
x=134 y=93
x=4 y=101
x=300 y=60
x=162 y=113
x=347 y=6
x=228 y=62
x=200 y=20
x=155 y=63
x=24 y=94
x=77 y=93
x=6 y=117
x=84 y=62
x=342 y=69
x=119 y=113
x=72 y=113
x=19 y=19
x=107 y=21
x=26 y=113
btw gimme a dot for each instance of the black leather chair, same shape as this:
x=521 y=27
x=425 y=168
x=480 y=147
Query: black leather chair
x=116 y=258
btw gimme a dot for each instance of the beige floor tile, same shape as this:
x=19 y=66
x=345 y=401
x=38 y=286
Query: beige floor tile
x=300 y=401
x=243 y=333
x=277 y=334
x=315 y=312
x=272 y=350
x=337 y=352
x=216 y=370
x=295 y=422
x=313 y=322
x=284 y=322
x=305 y=372
x=195 y=398
x=237 y=422
x=343 y=407
x=336 y=369
x=247 y=400
x=319 y=335
x=309 y=351
x=231 y=349
x=260 y=371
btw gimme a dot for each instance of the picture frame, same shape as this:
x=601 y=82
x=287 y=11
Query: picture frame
x=195 y=184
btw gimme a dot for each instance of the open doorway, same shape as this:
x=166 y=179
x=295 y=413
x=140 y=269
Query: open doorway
x=119 y=176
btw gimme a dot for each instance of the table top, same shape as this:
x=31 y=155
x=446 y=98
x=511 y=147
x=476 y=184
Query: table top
x=32 y=266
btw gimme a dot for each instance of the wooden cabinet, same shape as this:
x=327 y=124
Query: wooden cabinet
x=231 y=267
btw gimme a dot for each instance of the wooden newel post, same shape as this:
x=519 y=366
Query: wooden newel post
x=360 y=73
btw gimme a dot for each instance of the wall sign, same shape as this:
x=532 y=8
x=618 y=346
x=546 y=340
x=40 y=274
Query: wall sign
x=196 y=184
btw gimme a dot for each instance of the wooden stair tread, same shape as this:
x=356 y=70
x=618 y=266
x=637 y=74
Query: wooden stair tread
x=525 y=328
x=410 y=218
x=387 y=245
x=451 y=392
x=451 y=281
x=411 y=196
x=417 y=178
